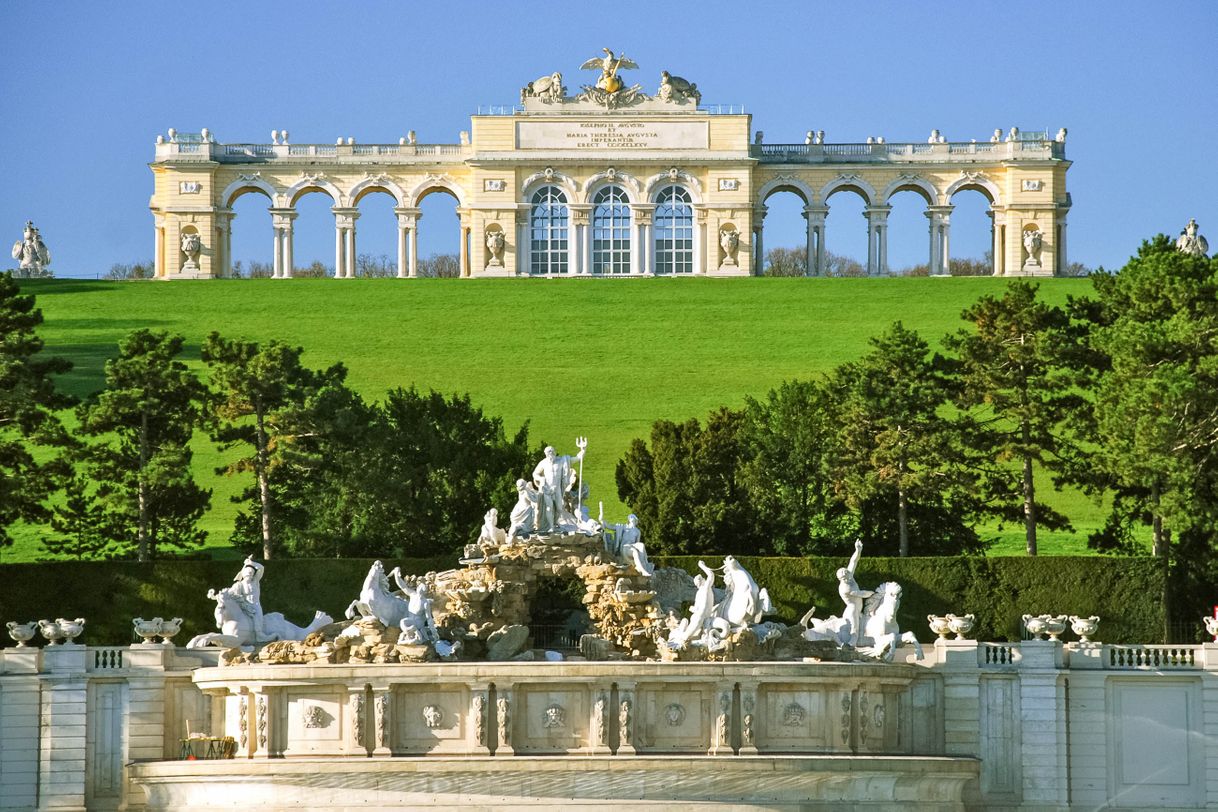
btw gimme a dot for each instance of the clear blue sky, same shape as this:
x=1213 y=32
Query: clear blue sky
x=88 y=86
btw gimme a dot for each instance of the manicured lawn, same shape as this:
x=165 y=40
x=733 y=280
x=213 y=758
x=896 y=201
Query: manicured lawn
x=602 y=358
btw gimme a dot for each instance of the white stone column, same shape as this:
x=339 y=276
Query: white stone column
x=522 y=247
x=877 y=239
x=810 y=245
x=758 y=252
x=700 y=240
x=344 y=246
x=406 y=226
x=581 y=238
x=158 y=258
x=1062 y=261
x=276 y=251
x=338 y=249
x=282 y=219
x=414 y=246
x=940 y=223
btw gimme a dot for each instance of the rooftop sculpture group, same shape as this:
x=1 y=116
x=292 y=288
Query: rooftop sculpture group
x=609 y=90
x=482 y=610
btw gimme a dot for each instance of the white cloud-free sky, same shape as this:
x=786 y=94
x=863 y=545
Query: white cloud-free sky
x=87 y=87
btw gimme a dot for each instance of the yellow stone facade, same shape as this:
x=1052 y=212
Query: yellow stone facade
x=689 y=184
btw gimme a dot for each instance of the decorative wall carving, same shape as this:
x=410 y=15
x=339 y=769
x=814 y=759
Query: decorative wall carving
x=554 y=717
x=674 y=714
x=314 y=716
x=793 y=714
x=433 y=716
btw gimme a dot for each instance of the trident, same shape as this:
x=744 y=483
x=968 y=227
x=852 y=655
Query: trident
x=582 y=444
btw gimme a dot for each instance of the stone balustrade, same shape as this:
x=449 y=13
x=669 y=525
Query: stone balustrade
x=196 y=150
x=910 y=153
x=1034 y=724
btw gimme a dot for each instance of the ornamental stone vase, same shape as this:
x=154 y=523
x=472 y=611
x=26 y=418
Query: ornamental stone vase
x=1034 y=625
x=1211 y=627
x=22 y=633
x=960 y=625
x=939 y=625
x=1084 y=627
x=1055 y=625
x=169 y=628
x=147 y=629
x=71 y=628
x=51 y=631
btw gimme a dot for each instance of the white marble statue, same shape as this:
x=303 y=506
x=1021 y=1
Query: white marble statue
x=548 y=89
x=729 y=241
x=523 y=519
x=554 y=477
x=701 y=621
x=1033 y=240
x=419 y=626
x=625 y=541
x=868 y=621
x=240 y=618
x=1192 y=243
x=744 y=603
x=31 y=253
x=491 y=533
x=495 y=243
x=191 y=246
x=376 y=599
x=676 y=89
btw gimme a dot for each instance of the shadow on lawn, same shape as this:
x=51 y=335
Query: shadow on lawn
x=47 y=287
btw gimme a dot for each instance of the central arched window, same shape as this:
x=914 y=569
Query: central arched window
x=548 y=230
x=610 y=231
x=674 y=226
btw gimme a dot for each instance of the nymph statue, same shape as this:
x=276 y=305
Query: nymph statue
x=523 y=519
x=625 y=541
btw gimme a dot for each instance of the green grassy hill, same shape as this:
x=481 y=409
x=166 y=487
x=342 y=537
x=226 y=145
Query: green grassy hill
x=602 y=358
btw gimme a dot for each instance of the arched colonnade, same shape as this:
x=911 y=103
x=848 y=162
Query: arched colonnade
x=877 y=203
x=345 y=207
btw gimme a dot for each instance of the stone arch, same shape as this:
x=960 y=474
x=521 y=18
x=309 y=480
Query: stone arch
x=433 y=183
x=911 y=183
x=656 y=182
x=377 y=184
x=977 y=183
x=243 y=185
x=852 y=183
x=634 y=190
x=787 y=183
x=538 y=179
x=305 y=185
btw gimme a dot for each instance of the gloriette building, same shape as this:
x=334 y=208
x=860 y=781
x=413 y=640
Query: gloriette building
x=612 y=179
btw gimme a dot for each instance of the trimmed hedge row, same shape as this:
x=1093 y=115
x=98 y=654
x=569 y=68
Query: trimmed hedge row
x=1125 y=592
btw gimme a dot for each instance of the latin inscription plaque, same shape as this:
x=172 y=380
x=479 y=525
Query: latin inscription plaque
x=612 y=135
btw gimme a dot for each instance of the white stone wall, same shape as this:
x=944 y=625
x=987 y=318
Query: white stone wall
x=1073 y=726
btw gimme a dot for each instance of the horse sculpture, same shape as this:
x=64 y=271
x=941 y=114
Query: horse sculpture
x=880 y=635
x=237 y=627
x=376 y=599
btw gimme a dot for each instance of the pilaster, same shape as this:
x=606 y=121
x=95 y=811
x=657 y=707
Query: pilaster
x=1043 y=716
x=61 y=767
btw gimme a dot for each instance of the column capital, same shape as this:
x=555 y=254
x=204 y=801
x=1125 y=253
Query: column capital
x=407 y=210
x=939 y=211
x=877 y=214
x=345 y=216
x=286 y=211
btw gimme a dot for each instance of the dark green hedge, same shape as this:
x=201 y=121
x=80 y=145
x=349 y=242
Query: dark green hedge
x=1124 y=592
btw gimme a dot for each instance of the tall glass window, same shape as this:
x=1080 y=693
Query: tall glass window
x=548 y=231
x=674 y=226
x=610 y=231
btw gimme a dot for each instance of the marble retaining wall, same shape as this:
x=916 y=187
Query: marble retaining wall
x=1032 y=725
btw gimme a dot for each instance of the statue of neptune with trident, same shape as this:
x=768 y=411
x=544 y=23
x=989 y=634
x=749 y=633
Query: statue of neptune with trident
x=554 y=477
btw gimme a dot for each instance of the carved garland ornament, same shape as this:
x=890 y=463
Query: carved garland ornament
x=262 y=722
x=504 y=718
x=382 y=718
x=847 y=706
x=624 y=722
x=480 y=719
x=242 y=722
x=746 y=720
x=357 y=719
